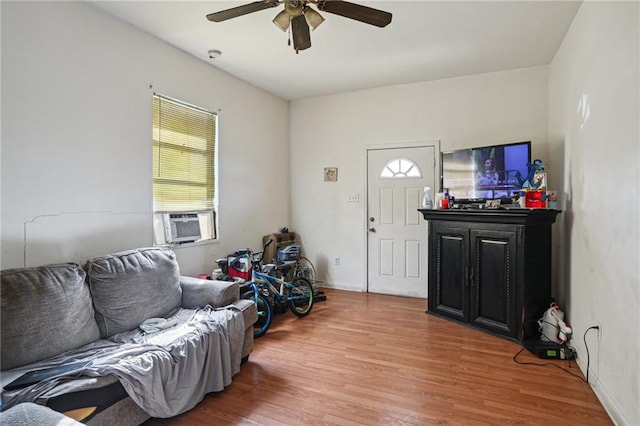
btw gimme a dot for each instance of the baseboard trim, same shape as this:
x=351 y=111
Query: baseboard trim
x=608 y=403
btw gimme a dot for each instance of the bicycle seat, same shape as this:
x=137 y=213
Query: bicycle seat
x=269 y=267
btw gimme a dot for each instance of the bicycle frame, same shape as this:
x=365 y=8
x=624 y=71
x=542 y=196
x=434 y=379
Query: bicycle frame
x=254 y=289
x=269 y=282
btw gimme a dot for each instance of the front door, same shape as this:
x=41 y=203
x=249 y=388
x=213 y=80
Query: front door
x=397 y=233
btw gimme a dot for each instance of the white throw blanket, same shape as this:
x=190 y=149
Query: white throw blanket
x=165 y=373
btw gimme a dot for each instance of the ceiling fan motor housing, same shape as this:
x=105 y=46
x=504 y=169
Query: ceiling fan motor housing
x=294 y=7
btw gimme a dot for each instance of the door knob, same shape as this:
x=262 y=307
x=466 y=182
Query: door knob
x=372 y=229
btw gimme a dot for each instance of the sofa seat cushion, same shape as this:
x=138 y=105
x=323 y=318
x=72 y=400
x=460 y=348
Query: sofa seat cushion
x=45 y=311
x=132 y=286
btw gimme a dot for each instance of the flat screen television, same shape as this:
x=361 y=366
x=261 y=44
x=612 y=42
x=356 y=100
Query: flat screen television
x=474 y=175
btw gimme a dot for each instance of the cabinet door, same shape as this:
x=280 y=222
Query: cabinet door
x=493 y=280
x=448 y=260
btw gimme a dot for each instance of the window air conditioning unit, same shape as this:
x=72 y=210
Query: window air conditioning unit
x=181 y=227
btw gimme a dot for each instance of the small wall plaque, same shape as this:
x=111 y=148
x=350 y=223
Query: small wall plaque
x=330 y=174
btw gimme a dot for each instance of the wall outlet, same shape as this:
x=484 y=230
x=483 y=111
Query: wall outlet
x=336 y=261
x=353 y=198
x=599 y=330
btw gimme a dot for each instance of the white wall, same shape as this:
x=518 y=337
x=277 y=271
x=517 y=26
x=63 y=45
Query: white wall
x=594 y=126
x=334 y=130
x=76 y=138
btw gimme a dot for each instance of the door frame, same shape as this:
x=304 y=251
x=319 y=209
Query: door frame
x=435 y=143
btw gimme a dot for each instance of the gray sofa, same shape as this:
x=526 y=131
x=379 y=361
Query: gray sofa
x=57 y=315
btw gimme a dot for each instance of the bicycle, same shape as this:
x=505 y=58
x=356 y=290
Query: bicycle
x=250 y=291
x=296 y=294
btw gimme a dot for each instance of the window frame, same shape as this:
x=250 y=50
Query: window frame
x=400 y=174
x=207 y=216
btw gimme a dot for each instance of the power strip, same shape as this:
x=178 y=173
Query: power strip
x=549 y=350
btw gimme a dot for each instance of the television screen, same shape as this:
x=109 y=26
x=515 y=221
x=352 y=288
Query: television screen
x=485 y=173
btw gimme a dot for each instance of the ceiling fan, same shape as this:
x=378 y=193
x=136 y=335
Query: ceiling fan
x=298 y=16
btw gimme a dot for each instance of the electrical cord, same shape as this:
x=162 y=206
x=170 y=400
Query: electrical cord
x=584 y=337
x=544 y=364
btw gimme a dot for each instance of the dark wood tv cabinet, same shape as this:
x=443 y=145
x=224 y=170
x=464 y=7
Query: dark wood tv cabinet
x=490 y=268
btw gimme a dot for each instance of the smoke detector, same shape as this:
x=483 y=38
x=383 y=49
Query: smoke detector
x=214 y=53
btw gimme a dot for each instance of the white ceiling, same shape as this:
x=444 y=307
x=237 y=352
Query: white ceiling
x=426 y=40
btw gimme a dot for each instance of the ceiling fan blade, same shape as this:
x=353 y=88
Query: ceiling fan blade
x=300 y=33
x=365 y=14
x=245 y=9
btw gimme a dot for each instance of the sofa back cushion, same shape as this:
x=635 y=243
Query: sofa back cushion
x=44 y=311
x=132 y=286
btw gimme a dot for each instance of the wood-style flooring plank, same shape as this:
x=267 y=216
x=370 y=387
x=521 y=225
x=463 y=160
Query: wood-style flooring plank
x=368 y=359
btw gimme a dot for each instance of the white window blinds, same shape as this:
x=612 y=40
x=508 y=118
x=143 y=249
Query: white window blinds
x=183 y=156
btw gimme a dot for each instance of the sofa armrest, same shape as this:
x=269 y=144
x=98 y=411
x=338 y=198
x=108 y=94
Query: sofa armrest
x=28 y=413
x=197 y=293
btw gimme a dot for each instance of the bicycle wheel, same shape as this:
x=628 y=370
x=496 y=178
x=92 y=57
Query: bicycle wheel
x=304 y=268
x=300 y=296
x=263 y=323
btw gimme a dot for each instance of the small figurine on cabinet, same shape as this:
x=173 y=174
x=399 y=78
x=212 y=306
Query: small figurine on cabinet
x=536 y=176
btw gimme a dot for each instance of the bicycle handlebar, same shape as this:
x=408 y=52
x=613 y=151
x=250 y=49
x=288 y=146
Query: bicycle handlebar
x=254 y=260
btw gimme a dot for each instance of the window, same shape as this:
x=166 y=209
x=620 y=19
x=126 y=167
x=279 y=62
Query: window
x=184 y=175
x=401 y=168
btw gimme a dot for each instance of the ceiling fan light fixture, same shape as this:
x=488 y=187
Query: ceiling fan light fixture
x=313 y=18
x=282 y=20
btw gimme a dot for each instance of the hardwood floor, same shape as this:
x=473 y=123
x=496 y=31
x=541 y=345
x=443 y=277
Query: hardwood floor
x=367 y=359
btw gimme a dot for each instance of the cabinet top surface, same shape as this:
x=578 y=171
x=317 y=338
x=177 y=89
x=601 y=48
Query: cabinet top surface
x=515 y=216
